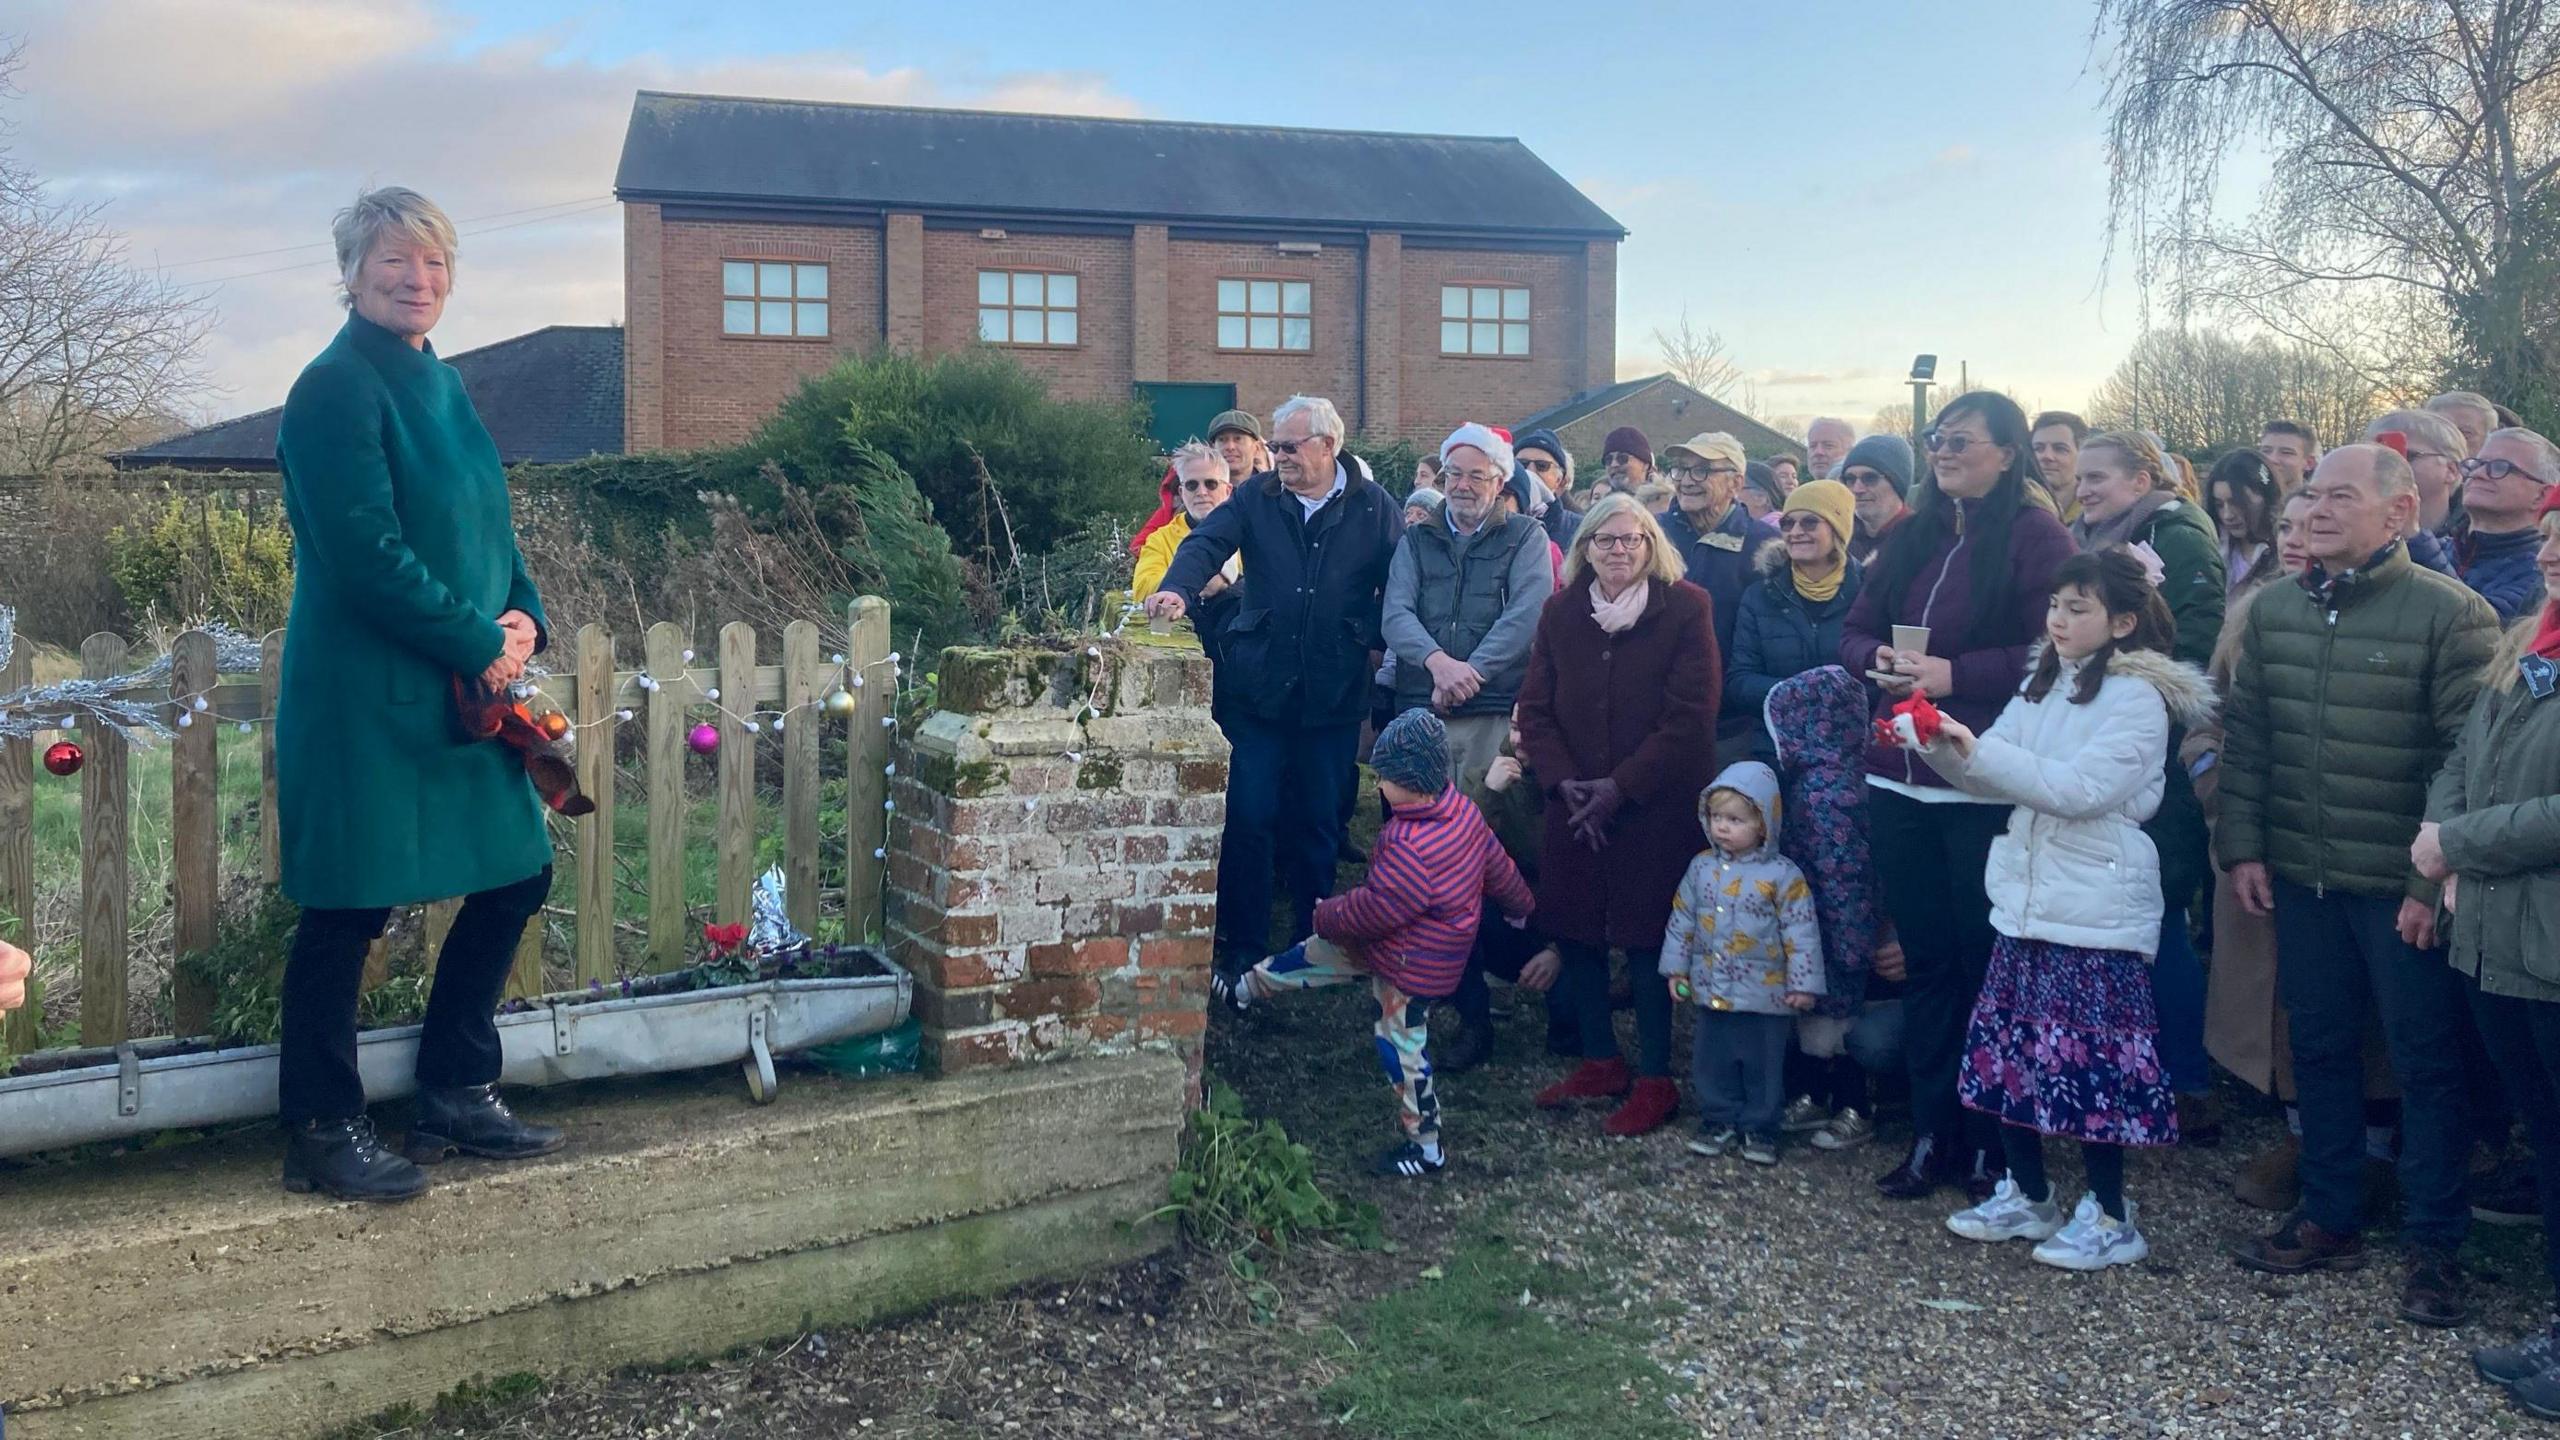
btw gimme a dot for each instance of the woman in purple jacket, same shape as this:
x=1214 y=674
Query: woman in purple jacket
x=1973 y=563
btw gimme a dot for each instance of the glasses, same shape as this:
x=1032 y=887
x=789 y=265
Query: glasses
x=1290 y=447
x=1801 y=520
x=1618 y=542
x=1543 y=467
x=1941 y=442
x=1196 y=486
x=1861 y=479
x=1479 y=477
x=1700 y=472
x=2499 y=470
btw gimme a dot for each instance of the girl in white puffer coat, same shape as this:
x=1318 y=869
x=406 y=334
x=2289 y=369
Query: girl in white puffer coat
x=2064 y=1039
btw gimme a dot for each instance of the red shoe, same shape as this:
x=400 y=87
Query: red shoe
x=1590 y=1080
x=1654 y=1102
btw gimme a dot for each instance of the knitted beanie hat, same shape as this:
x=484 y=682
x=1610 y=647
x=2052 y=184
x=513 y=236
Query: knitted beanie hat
x=1413 y=751
x=1831 y=500
x=1887 y=455
x=1628 y=440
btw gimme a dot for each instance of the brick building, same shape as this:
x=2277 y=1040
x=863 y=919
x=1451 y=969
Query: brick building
x=1415 y=279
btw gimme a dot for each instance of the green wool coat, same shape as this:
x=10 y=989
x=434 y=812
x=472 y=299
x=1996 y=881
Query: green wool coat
x=2498 y=800
x=404 y=557
x=2192 y=572
x=2339 y=718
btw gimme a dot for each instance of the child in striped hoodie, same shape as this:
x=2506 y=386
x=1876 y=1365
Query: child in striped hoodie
x=1407 y=928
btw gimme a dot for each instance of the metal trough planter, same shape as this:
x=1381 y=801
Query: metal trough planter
x=558 y=1039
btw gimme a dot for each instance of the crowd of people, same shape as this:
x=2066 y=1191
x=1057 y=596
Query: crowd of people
x=1933 y=781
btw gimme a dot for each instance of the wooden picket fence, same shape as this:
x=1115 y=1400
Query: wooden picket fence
x=592 y=696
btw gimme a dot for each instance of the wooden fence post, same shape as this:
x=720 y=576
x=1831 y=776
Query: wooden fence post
x=737 y=833
x=804 y=678
x=195 y=826
x=666 y=664
x=525 y=980
x=18 y=848
x=105 y=822
x=270 y=690
x=593 y=715
x=867 y=758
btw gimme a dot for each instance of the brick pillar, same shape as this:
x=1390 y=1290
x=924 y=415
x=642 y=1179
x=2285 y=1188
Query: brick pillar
x=1381 y=323
x=644 y=329
x=1599 y=314
x=1150 y=327
x=902 y=262
x=1053 y=854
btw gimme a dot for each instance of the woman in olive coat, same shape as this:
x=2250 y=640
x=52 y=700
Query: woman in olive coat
x=408 y=589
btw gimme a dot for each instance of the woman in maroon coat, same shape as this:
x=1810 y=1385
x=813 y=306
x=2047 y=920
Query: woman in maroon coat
x=1973 y=564
x=1618 y=720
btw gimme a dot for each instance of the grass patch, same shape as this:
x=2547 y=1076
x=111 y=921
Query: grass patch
x=473 y=1402
x=1492 y=1344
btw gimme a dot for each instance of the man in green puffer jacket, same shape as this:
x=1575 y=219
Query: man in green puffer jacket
x=2350 y=690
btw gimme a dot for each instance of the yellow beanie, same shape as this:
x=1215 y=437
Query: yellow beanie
x=1832 y=501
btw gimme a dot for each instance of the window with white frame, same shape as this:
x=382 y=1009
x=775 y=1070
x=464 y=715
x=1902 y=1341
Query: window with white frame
x=1026 y=307
x=773 y=297
x=1484 y=320
x=1266 y=315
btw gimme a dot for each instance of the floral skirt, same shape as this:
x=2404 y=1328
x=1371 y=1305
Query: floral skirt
x=2064 y=1041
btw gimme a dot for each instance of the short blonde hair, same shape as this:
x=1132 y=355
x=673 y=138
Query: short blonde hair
x=1662 y=559
x=2139 y=450
x=392 y=210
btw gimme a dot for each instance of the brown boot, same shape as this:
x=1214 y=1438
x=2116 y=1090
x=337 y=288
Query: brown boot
x=2433 y=1294
x=2199 y=1121
x=2273 y=1181
x=2299 y=1247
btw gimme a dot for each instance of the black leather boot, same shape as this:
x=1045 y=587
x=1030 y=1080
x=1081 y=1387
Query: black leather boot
x=344 y=1159
x=472 y=1120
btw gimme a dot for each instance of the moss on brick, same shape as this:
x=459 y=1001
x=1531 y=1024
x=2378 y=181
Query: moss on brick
x=1102 y=772
x=961 y=781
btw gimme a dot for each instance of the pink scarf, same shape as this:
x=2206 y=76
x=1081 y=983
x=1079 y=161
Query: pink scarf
x=1613 y=616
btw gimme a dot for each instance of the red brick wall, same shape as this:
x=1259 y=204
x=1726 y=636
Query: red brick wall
x=1097 y=367
x=713 y=388
x=1264 y=378
x=644 y=367
x=1435 y=392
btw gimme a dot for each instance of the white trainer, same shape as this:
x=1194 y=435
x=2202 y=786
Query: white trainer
x=2094 y=1239
x=2008 y=1215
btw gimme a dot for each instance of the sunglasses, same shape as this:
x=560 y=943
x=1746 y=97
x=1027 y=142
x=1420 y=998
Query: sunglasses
x=1801 y=520
x=1543 y=467
x=2499 y=470
x=1861 y=479
x=1703 y=472
x=1290 y=447
x=1943 y=443
x=1196 y=486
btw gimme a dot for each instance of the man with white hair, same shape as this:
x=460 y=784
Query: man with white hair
x=2434 y=450
x=2472 y=413
x=1462 y=604
x=1200 y=482
x=2502 y=492
x=1826 y=444
x=1317 y=534
x=2349 y=691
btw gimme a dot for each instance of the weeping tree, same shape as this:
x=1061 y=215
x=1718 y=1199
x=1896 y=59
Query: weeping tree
x=2407 y=221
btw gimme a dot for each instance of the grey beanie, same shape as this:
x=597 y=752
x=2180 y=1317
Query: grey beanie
x=1889 y=455
x=1413 y=751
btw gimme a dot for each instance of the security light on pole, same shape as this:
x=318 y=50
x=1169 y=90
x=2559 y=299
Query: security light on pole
x=1924 y=368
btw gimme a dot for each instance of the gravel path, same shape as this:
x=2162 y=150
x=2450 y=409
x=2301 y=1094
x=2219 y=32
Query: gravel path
x=1787 y=1302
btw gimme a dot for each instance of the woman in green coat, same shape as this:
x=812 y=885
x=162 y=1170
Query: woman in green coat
x=2492 y=835
x=408 y=590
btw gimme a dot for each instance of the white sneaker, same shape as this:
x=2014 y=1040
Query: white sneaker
x=2007 y=1215
x=2094 y=1239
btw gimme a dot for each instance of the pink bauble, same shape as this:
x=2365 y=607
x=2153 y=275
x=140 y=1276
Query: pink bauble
x=704 y=739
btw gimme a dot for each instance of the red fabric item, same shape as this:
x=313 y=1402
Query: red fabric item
x=1501 y=431
x=1414 y=919
x=1654 y=1102
x=486 y=714
x=2393 y=441
x=1590 y=1080
x=1168 y=496
x=1925 y=720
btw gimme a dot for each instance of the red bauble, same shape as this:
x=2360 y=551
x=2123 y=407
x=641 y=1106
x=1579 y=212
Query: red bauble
x=555 y=724
x=64 y=758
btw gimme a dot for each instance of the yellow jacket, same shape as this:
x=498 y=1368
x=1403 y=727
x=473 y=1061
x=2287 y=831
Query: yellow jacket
x=1156 y=556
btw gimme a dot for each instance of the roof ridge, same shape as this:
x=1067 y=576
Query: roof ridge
x=1142 y=122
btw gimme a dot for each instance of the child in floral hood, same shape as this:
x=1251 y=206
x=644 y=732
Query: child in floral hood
x=1745 y=943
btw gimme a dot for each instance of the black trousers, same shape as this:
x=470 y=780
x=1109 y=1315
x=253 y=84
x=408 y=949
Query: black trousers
x=325 y=973
x=2523 y=1037
x=1932 y=858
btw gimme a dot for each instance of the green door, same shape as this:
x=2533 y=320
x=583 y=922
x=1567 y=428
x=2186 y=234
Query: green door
x=1179 y=411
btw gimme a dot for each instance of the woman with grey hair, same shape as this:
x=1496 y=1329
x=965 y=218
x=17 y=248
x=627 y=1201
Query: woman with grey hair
x=411 y=606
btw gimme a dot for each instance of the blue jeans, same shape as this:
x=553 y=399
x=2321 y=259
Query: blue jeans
x=2177 y=992
x=1736 y=1063
x=2337 y=956
x=1585 y=983
x=1285 y=789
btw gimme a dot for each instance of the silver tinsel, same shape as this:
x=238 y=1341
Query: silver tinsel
x=113 y=701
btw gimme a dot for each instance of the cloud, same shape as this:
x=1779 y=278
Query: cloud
x=1800 y=379
x=1953 y=155
x=221 y=137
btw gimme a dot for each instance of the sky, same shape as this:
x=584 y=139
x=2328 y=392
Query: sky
x=1831 y=185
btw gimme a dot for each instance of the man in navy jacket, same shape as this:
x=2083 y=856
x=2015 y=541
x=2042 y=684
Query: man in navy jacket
x=1294 y=662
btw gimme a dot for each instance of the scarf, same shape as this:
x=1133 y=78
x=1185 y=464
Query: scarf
x=1613 y=616
x=2324 y=586
x=1819 y=586
x=2098 y=536
x=2546 y=641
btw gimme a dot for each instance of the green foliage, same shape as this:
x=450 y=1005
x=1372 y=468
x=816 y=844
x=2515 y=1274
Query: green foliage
x=1473 y=1349
x=205 y=559
x=244 y=972
x=1391 y=461
x=473 y=1402
x=1244 y=1189
x=890 y=540
x=1003 y=464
